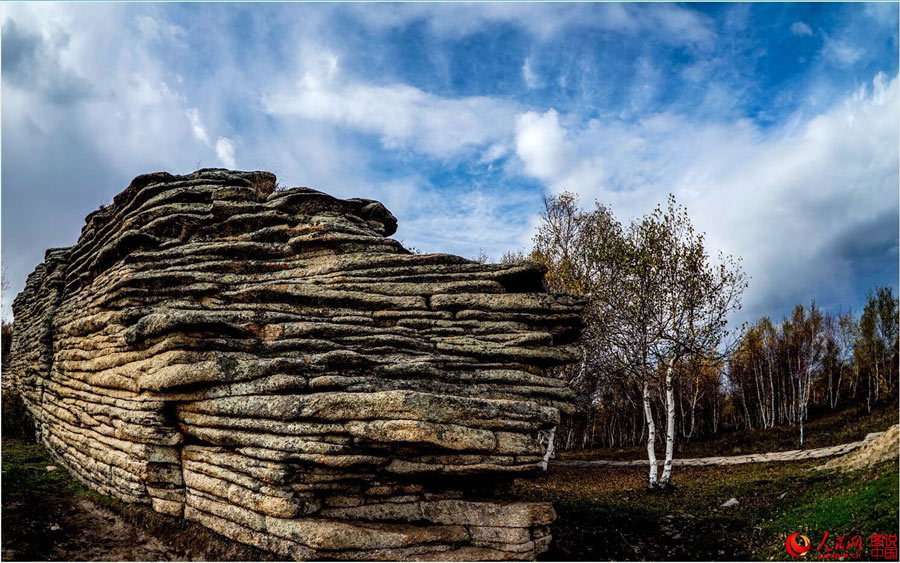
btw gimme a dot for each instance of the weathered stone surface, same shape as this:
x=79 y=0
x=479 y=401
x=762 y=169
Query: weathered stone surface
x=268 y=364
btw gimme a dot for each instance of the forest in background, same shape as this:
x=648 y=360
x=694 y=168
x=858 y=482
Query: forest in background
x=766 y=374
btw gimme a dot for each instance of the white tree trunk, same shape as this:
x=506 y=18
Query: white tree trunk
x=670 y=429
x=651 y=435
x=800 y=397
x=549 y=438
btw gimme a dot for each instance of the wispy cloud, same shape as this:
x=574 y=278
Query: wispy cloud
x=841 y=52
x=673 y=23
x=401 y=116
x=225 y=151
x=532 y=80
x=197 y=126
x=801 y=29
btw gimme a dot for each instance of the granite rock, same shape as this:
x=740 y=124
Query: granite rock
x=270 y=364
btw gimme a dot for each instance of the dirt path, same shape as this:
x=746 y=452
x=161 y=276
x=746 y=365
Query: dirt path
x=791 y=455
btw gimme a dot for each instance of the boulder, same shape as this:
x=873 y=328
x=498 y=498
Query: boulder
x=270 y=364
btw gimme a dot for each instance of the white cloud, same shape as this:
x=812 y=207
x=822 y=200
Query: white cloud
x=884 y=13
x=801 y=29
x=104 y=132
x=683 y=25
x=840 y=52
x=158 y=117
x=669 y=23
x=747 y=187
x=796 y=202
x=402 y=116
x=698 y=71
x=197 y=126
x=463 y=220
x=153 y=28
x=541 y=144
x=532 y=80
x=646 y=83
x=225 y=151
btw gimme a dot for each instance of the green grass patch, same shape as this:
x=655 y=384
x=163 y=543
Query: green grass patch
x=607 y=513
x=843 y=504
x=25 y=471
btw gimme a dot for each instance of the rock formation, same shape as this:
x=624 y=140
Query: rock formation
x=267 y=363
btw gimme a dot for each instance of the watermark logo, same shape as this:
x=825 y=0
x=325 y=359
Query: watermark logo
x=797 y=544
x=842 y=548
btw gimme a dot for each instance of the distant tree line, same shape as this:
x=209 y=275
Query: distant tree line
x=814 y=358
x=656 y=353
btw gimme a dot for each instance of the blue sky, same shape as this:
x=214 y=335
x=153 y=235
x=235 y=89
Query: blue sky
x=775 y=124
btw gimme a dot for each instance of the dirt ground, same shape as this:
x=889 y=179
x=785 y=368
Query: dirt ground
x=604 y=514
x=48 y=516
x=59 y=528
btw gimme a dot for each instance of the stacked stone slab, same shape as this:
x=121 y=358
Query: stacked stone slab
x=269 y=364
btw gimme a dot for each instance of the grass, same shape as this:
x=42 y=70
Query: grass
x=26 y=486
x=607 y=513
x=50 y=515
x=25 y=475
x=844 y=506
x=831 y=429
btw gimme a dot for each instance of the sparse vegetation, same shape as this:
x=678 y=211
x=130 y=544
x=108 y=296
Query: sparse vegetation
x=604 y=513
x=48 y=515
x=609 y=514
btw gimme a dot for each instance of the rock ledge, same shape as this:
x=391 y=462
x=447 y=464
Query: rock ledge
x=267 y=363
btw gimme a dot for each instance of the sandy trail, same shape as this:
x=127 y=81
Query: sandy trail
x=790 y=455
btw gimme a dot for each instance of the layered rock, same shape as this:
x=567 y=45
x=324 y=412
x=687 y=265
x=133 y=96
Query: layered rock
x=269 y=364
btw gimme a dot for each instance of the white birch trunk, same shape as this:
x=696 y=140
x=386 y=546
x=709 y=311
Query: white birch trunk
x=800 y=396
x=550 y=438
x=651 y=435
x=670 y=429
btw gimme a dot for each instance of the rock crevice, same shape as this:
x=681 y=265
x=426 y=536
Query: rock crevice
x=269 y=364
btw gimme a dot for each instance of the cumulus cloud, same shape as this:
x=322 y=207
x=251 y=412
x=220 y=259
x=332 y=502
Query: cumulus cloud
x=29 y=62
x=810 y=201
x=801 y=29
x=333 y=98
x=541 y=144
x=76 y=137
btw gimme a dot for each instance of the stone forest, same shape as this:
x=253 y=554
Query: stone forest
x=268 y=363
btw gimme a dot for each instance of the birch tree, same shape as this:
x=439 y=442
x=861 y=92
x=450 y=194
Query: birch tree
x=695 y=301
x=582 y=250
x=655 y=300
x=639 y=307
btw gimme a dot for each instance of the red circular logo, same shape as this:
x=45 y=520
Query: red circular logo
x=797 y=545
